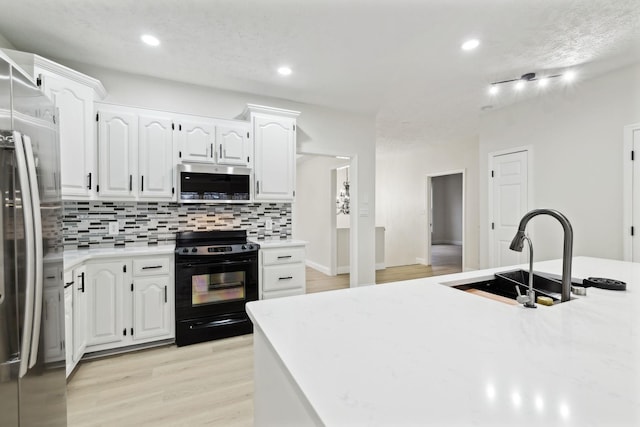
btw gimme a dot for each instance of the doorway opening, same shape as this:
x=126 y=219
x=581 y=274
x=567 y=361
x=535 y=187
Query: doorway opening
x=445 y=233
x=321 y=217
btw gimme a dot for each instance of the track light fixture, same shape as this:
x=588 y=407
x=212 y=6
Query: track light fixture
x=530 y=77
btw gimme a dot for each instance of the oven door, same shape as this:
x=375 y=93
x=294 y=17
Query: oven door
x=215 y=285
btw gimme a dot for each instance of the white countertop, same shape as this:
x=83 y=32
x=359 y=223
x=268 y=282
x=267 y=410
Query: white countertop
x=421 y=353
x=277 y=243
x=73 y=258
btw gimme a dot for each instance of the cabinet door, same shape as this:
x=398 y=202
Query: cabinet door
x=76 y=126
x=105 y=303
x=275 y=147
x=155 y=157
x=117 y=147
x=196 y=141
x=68 y=328
x=151 y=308
x=233 y=145
x=53 y=329
x=80 y=312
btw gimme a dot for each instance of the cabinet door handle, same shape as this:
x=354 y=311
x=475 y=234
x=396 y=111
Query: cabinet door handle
x=285 y=278
x=284 y=256
x=89 y=186
x=165 y=293
x=142 y=183
x=81 y=288
x=257 y=187
x=150 y=267
x=220 y=152
x=212 y=150
x=130 y=182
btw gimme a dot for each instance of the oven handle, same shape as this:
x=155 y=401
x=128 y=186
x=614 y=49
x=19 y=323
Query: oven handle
x=216 y=263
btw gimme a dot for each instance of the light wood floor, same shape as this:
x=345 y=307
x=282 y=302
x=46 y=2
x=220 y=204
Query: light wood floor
x=204 y=384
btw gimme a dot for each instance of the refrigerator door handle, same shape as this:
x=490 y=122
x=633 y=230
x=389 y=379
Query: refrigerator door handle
x=37 y=227
x=27 y=207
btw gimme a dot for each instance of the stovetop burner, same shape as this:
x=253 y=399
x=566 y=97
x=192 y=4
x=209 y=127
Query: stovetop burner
x=211 y=243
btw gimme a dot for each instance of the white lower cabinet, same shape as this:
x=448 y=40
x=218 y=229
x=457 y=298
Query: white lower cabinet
x=131 y=302
x=52 y=306
x=118 y=302
x=105 y=302
x=79 y=292
x=282 y=271
x=68 y=328
x=151 y=308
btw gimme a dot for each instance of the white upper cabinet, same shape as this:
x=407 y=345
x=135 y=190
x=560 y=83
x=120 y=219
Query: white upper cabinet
x=197 y=140
x=155 y=157
x=117 y=148
x=274 y=138
x=233 y=142
x=73 y=94
x=136 y=154
x=76 y=126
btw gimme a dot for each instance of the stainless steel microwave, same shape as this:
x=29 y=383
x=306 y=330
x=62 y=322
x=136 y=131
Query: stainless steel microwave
x=202 y=183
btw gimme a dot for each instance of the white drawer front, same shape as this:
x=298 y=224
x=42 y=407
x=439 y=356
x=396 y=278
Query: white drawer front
x=282 y=255
x=280 y=294
x=151 y=266
x=281 y=277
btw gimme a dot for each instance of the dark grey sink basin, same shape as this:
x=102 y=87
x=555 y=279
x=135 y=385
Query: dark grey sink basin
x=504 y=285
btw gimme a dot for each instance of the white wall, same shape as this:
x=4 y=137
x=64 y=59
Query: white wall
x=447 y=209
x=321 y=130
x=401 y=196
x=314 y=208
x=577 y=138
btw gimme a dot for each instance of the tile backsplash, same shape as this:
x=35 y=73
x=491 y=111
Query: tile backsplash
x=86 y=224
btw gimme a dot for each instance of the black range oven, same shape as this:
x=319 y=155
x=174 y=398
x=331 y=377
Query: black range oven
x=216 y=275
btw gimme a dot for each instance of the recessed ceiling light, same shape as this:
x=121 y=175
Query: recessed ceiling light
x=150 y=40
x=470 y=44
x=519 y=85
x=284 y=70
x=494 y=90
x=569 y=75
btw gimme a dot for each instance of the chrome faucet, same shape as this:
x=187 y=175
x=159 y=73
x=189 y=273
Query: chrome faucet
x=518 y=242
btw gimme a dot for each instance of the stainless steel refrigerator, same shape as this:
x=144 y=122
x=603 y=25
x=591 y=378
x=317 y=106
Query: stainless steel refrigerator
x=32 y=361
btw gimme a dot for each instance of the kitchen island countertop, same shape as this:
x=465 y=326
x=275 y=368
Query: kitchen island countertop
x=422 y=353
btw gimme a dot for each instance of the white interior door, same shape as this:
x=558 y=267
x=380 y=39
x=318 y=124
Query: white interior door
x=509 y=197
x=635 y=222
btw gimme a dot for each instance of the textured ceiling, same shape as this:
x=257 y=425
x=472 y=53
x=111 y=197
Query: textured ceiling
x=398 y=59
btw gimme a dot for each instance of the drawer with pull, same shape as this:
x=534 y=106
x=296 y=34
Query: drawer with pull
x=282 y=255
x=281 y=277
x=151 y=266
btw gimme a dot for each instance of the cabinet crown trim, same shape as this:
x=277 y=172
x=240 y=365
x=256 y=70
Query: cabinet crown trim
x=254 y=108
x=36 y=61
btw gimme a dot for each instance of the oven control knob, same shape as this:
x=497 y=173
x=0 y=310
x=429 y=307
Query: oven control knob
x=244 y=246
x=194 y=250
x=185 y=250
x=250 y=246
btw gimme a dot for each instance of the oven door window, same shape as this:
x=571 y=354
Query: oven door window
x=215 y=288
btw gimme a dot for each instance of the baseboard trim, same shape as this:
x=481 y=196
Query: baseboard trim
x=345 y=269
x=447 y=242
x=321 y=268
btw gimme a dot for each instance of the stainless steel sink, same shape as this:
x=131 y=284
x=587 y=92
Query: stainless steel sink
x=504 y=284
